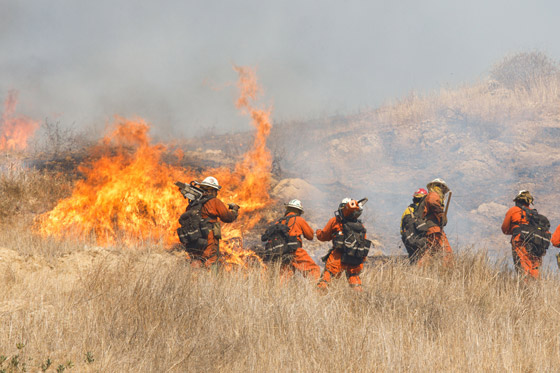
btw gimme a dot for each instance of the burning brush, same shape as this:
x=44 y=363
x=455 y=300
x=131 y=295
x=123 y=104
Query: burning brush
x=128 y=195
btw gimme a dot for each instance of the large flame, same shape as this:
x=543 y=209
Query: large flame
x=128 y=193
x=15 y=131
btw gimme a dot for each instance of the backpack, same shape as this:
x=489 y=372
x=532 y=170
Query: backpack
x=413 y=240
x=279 y=243
x=352 y=241
x=193 y=232
x=536 y=234
x=415 y=226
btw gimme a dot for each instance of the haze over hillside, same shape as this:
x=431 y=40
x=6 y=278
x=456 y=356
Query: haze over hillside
x=487 y=140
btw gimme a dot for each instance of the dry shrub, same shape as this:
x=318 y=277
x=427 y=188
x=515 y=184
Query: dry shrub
x=525 y=86
x=525 y=70
x=55 y=140
x=26 y=192
x=148 y=311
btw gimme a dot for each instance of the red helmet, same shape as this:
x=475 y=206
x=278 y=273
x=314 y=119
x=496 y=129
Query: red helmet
x=420 y=193
x=351 y=209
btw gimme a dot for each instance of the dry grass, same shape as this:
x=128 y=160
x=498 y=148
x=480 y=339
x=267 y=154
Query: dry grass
x=481 y=102
x=521 y=86
x=145 y=310
x=27 y=192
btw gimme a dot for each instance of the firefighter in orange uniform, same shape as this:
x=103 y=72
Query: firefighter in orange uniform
x=300 y=260
x=437 y=243
x=524 y=259
x=211 y=210
x=350 y=245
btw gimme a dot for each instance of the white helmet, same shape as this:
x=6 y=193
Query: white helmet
x=440 y=182
x=295 y=203
x=211 y=182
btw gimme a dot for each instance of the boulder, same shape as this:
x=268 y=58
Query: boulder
x=491 y=210
x=288 y=189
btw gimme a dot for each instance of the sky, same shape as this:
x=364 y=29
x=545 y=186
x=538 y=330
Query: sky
x=170 y=62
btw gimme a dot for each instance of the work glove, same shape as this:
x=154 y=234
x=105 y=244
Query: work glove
x=233 y=206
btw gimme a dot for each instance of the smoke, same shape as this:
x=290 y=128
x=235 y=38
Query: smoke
x=171 y=62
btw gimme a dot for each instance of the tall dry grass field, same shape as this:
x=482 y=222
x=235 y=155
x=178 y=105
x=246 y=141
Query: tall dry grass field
x=142 y=309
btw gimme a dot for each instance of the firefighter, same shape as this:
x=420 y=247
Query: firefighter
x=210 y=211
x=412 y=241
x=300 y=260
x=527 y=258
x=436 y=240
x=343 y=229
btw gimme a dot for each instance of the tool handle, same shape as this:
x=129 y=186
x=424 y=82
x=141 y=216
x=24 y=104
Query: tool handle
x=447 y=204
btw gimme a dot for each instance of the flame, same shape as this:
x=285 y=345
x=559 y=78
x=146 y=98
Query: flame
x=15 y=131
x=125 y=195
x=128 y=193
x=252 y=174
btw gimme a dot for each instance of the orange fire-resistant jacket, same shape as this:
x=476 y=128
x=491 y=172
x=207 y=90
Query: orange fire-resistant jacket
x=514 y=218
x=299 y=227
x=433 y=211
x=332 y=228
x=214 y=209
x=555 y=240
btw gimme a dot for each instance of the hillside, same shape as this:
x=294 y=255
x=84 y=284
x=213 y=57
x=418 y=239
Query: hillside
x=487 y=140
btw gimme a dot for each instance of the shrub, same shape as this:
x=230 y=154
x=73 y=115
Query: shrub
x=524 y=70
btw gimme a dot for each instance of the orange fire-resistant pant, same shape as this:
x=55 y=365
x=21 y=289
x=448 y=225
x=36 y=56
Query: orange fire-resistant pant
x=437 y=245
x=209 y=255
x=302 y=263
x=524 y=261
x=334 y=268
